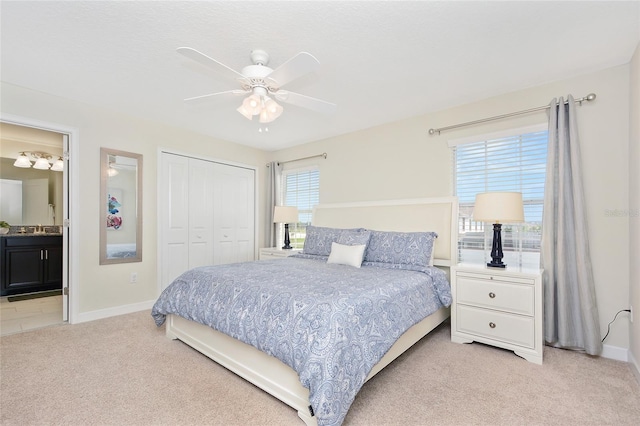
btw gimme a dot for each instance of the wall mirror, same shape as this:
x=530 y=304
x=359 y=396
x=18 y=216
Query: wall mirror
x=120 y=207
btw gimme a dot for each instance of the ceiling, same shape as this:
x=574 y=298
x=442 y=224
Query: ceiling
x=379 y=61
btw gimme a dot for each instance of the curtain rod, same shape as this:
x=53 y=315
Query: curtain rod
x=323 y=155
x=590 y=97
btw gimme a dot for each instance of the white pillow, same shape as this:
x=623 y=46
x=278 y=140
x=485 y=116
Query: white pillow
x=347 y=255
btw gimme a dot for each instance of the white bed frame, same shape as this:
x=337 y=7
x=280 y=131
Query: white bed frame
x=276 y=378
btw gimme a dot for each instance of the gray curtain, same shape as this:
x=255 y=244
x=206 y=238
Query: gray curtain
x=273 y=199
x=571 y=318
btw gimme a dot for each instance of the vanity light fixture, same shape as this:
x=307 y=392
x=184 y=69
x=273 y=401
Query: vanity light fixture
x=41 y=161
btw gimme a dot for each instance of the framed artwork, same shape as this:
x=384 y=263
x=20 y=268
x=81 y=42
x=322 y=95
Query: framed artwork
x=114 y=209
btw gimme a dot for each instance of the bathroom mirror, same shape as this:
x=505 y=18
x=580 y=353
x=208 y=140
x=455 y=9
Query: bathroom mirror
x=120 y=207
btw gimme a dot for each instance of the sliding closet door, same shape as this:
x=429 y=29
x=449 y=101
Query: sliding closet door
x=234 y=212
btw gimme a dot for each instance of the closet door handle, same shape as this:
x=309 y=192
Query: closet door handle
x=46 y=255
x=492 y=295
x=41 y=254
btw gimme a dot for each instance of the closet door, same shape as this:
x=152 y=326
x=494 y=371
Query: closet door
x=201 y=195
x=207 y=215
x=174 y=217
x=234 y=214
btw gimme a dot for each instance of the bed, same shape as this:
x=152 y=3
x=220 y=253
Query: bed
x=278 y=370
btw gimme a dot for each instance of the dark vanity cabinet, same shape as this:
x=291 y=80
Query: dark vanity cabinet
x=30 y=264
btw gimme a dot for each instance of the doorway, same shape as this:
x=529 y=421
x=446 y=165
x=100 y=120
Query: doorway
x=24 y=310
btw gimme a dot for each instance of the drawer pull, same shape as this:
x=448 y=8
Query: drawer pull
x=492 y=295
x=492 y=324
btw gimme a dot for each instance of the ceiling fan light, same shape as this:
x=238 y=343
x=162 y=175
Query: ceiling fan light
x=275 y=109
x=22 y=161
x=242 y=110
x=42 y=164
x=252 y=104
x=271 y=111
x=58 y=165
x=265 y=117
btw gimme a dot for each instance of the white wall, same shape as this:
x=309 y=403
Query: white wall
x=634 y=209
x=400 y=160
x=101 y=290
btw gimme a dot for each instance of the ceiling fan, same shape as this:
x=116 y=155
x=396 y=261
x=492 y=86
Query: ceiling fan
x=263 y=84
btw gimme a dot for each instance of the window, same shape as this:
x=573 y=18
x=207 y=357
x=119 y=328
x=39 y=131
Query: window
x=508 y=163
x=300 y=188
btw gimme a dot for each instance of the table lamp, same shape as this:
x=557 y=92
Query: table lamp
x=286 y=215
x=498 y=208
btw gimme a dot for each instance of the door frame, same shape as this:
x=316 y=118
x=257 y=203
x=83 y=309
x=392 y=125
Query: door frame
x=159 y=206
x=70 y=210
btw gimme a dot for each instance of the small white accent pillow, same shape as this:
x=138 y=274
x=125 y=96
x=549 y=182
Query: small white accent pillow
x=347 y=255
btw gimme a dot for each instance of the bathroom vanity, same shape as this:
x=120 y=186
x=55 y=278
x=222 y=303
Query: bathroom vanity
x=30 y=263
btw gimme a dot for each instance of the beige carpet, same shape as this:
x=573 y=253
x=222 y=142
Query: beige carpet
x=123 y=371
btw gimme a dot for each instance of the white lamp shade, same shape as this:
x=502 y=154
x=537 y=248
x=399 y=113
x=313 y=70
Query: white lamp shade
x=22 y=161
x=253 y=104
x=499 y=207
x=111 y=172
x=42 y=164
x=242 y=110
x=285 y=214
x=58 y=166
x=271 y=110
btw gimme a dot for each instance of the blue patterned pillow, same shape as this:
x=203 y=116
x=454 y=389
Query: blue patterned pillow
x=310 y=256
x=318 y=240
x=354 y=237
x=400 y=248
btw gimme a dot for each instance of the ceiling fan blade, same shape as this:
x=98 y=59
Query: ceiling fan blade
x=216 y=96
x=301 y=64
x=210 y=62
x=306 y=102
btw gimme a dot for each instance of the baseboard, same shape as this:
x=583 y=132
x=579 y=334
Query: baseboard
x=112 y=312
x=615 y=352
x=635 y=367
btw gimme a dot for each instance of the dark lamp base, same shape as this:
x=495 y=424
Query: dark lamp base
x=287 y=241
x=496 y=248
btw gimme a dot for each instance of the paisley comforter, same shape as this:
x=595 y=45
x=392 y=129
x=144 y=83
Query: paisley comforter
x=330 y=323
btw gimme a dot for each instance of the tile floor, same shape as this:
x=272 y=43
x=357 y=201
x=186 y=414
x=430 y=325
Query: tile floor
x=24 y=315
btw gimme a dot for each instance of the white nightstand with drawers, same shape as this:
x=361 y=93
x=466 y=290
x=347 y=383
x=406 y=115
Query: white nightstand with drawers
x=498 y=307
x=276 y=253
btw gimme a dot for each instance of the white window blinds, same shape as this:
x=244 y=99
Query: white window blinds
x=301 y=188
x=509 y=163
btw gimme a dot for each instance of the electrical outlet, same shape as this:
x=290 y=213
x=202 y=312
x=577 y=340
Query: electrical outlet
x=133 y=278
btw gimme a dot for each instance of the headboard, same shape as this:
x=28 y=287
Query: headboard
x=409 y=215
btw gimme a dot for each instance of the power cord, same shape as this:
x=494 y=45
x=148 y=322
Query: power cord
x=614 y=318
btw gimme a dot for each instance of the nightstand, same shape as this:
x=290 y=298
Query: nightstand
x=498 y=307
x=268 y=253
